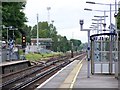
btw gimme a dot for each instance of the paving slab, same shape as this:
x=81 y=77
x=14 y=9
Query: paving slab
x=95 y=81
x=59 y=78
x=81 y=82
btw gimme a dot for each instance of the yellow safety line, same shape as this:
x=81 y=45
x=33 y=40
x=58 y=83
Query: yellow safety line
x=71 y=86
x=70 y=80
x=80 y=66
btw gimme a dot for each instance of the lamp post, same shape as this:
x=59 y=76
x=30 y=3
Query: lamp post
x=13 y=28
x=9 y=28
x=4 y=27
x=58 y=48
x=104 y=24
x=37 y=32
x=81 y=22
x=48 y=9
x=72 y=50
x=110 y=5
x=51 y=28
x=98 y=24
x=116 y=63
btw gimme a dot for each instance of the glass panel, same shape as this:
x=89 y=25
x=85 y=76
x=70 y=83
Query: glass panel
x=105 y=68
x=106 y=57
x=113 y=68
x=113 y=56
x=107 y=46
x=97 y=68
x=97 y=54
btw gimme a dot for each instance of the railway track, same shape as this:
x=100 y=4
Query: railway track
x=26 y=79
x=6 y=77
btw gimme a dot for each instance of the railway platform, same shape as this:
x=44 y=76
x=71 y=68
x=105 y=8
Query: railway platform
x=12 y=66
x=74 y=76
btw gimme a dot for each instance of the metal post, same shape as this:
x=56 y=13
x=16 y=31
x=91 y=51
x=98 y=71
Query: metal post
x=88 y=75
x=110 y=65
x=13 y=35
x=101 y=24
x=72 y=50
x=101 y=47
x=37 y=32
x=110 y=18
x=115 y=6
x=48 y=8
x=7 y=37
x=116 y=54
x=104 y=35
x=104 y=19
x=101 y=39
x=98 y=27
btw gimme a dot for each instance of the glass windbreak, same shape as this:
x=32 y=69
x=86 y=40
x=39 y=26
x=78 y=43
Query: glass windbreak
x=97 y=53
x=102 y=51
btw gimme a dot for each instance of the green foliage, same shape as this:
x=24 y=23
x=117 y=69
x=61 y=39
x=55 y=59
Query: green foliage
x=60 y=43
x=13 y=15
x=20 y=52
x=63 y=44
x=38 y=57
x=18 y=41
x=33 y=57
x=76 y=44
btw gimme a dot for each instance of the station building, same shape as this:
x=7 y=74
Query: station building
x=45 y=43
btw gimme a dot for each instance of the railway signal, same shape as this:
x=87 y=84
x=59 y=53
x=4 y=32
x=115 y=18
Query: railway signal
x=23 y=41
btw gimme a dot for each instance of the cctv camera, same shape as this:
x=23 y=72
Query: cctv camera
x=115 y=15
x=81 y=24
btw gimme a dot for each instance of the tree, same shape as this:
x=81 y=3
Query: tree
x=44 y=30
x=76 y=44
x=13 y=15
x=60 y=43
x=63 y=44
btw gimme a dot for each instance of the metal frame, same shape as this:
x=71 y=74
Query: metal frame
x=110 y=63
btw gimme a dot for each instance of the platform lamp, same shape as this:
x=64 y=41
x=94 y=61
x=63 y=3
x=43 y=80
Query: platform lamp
x=110 y=5
x=101 y=17
x=98 y=24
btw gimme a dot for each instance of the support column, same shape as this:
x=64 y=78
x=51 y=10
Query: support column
x=119 y=56
x=88 y=72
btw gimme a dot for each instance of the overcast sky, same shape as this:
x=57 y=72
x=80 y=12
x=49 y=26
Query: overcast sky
x=66 y=15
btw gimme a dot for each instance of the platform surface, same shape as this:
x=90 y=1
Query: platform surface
x=12 y=62
x=75 y=76
x=95 y=81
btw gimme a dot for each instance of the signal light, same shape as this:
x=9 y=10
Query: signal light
x=23 y=41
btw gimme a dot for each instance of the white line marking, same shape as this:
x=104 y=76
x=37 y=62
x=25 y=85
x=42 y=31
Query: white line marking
x=53 y=76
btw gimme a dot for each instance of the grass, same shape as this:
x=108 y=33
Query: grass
x=38 y=57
